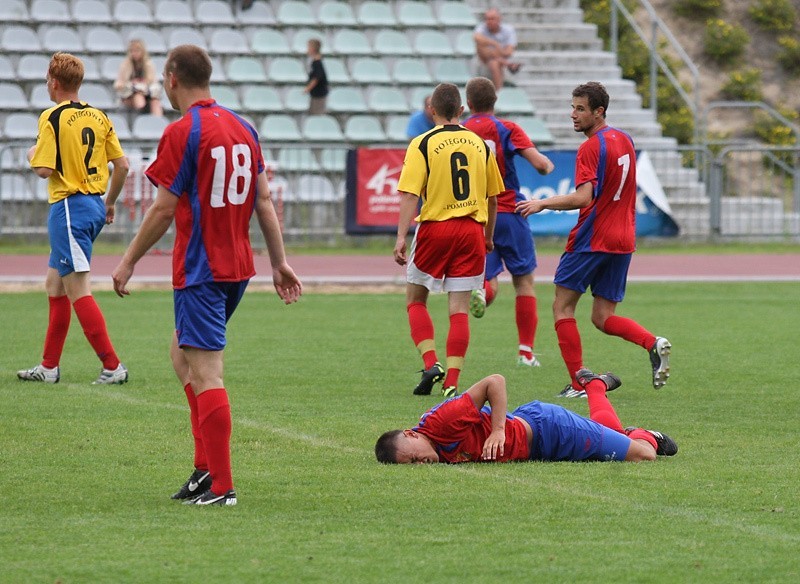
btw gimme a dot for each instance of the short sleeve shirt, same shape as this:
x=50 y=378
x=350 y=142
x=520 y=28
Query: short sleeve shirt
x=76 y=141
x=506 y=36
x=458 y=430
x=454 y=172
x=608 y=224
x=210 y=159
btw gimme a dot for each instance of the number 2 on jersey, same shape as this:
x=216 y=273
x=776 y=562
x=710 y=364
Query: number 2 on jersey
x=87 y=139
x=625 y=162
x=230 y=189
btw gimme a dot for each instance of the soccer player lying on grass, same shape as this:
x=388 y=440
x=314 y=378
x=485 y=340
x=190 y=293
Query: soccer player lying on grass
x=461 y=429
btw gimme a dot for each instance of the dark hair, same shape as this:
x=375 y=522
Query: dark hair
x=191 y=65
x=481 y=94
x=446 y=100
x=597 y=94
x=386 y=447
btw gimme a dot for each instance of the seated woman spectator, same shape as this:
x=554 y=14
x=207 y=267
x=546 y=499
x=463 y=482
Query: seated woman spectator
x=137 y=83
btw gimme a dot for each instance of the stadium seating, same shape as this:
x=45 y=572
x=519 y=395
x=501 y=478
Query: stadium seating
x=376 y=14
x=279 y=127
x=364 y=129
x=132 y=12
x=50 y=11
x=369 y=70
x=415 y=14
x=322 y=128
x=12 y=97
x=287 y=70
x=148 y=127
x=90 y=11
x=173 y=12
x=104 y=40
x=214 y=12
x=33 y=68
x=14 y=11
x=296 y=100
x=269 y=42
x=21 y=126
x=336 y=14
x=259 y=98
x=295 y=13
x=7 y=72
x=20 y=39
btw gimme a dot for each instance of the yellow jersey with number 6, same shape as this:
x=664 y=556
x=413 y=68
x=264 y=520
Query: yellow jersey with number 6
x=76 y=141
x=453 y=171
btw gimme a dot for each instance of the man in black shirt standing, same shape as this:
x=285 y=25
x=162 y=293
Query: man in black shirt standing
x=317 y=86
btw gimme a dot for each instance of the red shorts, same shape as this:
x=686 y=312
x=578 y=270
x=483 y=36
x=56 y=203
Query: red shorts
x=448 y=255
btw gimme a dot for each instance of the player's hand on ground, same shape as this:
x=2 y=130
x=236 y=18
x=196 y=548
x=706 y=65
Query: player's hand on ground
x=526 y=208
x=121 y=276
x=287 y=284
x=494 y=445
x=400 y=252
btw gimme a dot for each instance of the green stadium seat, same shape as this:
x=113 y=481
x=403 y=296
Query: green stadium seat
x=98 y=95
x=413 y=14
x=61 y=38
x=411 y=72
x=363 y=129
x=336 y=71
x=454 y=14
x=103 y=40
x=132 y=12
x=536 y=130
x=387 y=100
x=109 y=68
x=226 y=41
x=432 y=43
x=296 y=100
x=121 y=127
x=336 y=14
x=184 y=35
x=322 y=128
x=451 y=71
x=49 y=11
x=396 y=128
x=259 y=14
x=269 y=41
x=90 y=11
x=373 y=13
x=315 y=188
x=172 y=12
x=513 y=100
x=346 y=100
x=301 y=36
x=259 y=98
x=333 y=159
x=392 y=43
x=351 y=42
x=245 y=70
x=293 y=13
x=286 y=70
x=368 y=70
x=279 y=127
x=214 y=12
x=226 y=96
x=464 y=44
x=148 y=127
x=297 y=160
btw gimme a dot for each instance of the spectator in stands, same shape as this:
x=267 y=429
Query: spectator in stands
x=495 y=43
x=421 y=121
x=137 y=85
x=317 y=85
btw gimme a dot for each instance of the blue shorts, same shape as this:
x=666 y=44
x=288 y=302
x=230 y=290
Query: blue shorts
x=559 y=434
x=513 y=246
x=73 y=224
x=606 y=273
x=203 y=311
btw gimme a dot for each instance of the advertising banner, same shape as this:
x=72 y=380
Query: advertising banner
x=373 y=203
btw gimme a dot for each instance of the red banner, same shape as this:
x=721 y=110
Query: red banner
x=377 y=201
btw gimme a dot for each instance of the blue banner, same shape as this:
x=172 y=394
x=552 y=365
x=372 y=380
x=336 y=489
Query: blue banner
x=653 y=215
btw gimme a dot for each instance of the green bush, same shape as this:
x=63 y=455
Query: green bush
x=789 y=54
x=723 y=41
x=773 y=14
x=772 y=131
x=744 y=85
x=695 y=8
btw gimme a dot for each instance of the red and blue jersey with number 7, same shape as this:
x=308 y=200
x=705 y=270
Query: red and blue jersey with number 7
x=210 y=158
x=608 y=224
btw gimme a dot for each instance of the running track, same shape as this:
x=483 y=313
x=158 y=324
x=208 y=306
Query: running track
x=380 y=270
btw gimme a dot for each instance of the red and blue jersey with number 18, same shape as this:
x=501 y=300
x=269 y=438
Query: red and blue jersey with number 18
x=210 y=159
x=608 y=224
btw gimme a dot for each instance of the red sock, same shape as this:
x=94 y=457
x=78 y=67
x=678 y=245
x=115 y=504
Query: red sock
x=421 y=325
x=569 y=341
x=630 y=330
x=490 y=293
x=214 y=418
x=57 y=329
x=199 y=449
x=457 y=344
x=641 y=434
x=600 y=409
x=527 y=321
x=94 y=328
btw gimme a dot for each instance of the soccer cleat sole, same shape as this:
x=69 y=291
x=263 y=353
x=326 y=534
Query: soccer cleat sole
x=659 y=359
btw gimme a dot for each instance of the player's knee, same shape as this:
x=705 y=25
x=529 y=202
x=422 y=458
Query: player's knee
x=599 y=321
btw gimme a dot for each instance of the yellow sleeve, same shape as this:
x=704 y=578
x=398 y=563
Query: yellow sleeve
x=45 y=155
x=414 y=175
x=494 y=181
x=113 y=147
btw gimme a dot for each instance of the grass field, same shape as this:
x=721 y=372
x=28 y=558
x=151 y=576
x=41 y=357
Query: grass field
x=86 y=472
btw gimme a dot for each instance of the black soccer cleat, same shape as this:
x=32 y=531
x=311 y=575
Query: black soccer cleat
x=210 y=498
x=429 y=376
x=610 y=380
x=666 y=446
x=198 y=483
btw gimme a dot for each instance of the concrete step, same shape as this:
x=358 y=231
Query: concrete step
x=549 y=32
x=567 y=59
x=557 y=72
x=565 y=85
x=519 y=16
x=616 y=118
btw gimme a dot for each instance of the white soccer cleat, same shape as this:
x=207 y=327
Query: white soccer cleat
x=40 y=373
x=523 y=361
x=112 y=376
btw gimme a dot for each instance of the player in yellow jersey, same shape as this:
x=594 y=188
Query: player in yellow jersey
x=75 y=144
x=455 y=174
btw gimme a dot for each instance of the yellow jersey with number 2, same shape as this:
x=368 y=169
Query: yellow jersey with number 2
x=453 y=171
x=77 y=141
